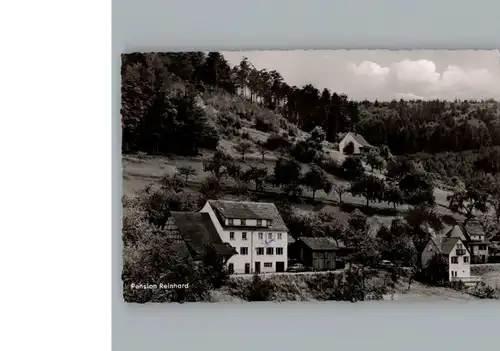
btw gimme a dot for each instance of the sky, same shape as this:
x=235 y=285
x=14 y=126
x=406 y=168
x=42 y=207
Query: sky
x=386 y=74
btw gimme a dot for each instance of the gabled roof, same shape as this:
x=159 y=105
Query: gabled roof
x=446 y=244
x=359 y=139
x=320 y=244
x=242 y=209
x=473 y=228
x=198 y=231
x=456 y=232
x=249 y=210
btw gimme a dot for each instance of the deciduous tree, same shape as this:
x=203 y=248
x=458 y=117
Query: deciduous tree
x=370 y=187
x=316 y=179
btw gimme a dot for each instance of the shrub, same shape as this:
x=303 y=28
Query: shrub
x=484 y=291
x=263 y=125
x=302 y=152
x=457 y=285
x=276 y=141
x=260 y=289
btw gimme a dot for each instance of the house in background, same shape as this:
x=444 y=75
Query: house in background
x=318 y=253
x=455 y=253
x=476 y=242
x=256 y=230
x=193 y=232
x=494 y=248
x=359 y=144
x=474 y=237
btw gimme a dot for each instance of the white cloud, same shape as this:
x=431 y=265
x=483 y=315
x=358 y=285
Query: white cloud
x=368 y=68
x=384 y=75
x=408 y=96
x=419 y=72
x=462 y=82
x=421 y=78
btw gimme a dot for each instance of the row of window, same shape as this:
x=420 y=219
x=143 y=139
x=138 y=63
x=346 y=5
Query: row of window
x=260 y=251
x=266 y=265
x=454 y=259
x=243 y=222
x=244 y=236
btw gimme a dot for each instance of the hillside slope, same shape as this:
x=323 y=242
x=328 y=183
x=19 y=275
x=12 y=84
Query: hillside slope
x=235 y=120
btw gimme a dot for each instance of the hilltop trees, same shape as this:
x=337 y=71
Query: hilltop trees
x=370 y=187
x=405 y=127
x=316 y=179
x=218 y=165
x=375 y=160
x=417 y=189
x=352 y=168
x=287 y=175
x=263 y=151
x=243 y=147
x=393 y=195
x=397 y=245
x=366 y=250
x=187 y=172
x=340 y=189
x=257 y=175
x=469 y=198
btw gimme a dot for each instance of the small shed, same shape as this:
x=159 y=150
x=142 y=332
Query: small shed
x=317 y=253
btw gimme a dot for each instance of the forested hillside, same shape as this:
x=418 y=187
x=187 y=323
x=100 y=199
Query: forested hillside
x=159 y=110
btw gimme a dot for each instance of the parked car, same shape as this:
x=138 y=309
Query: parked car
x=296 y=267
x=386 y=264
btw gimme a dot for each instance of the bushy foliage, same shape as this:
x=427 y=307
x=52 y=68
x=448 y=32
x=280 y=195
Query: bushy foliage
x=435 y=272
x=150 y=256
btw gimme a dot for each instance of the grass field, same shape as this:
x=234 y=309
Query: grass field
x=138 y=171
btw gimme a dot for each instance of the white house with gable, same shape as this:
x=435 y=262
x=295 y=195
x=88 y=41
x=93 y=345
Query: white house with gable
x=257 y=232
x=457 y=255
x=359 y=143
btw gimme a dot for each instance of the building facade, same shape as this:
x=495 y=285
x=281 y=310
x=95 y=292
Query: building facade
x=359 y=143
x=317 y=253
x=256 y=231
x=456 y=254
x=474 y=239
x=193 y=233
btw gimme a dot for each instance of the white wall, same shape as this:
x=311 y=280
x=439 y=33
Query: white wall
x=253 y=242
x=429 y=251
x=462 y=268
x=343 y=143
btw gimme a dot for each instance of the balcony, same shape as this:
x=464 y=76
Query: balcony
x=460 y=252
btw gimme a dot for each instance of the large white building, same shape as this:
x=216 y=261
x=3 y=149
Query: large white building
x=257 y=232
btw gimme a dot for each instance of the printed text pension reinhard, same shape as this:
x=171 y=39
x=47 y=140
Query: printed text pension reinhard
x=159 y=286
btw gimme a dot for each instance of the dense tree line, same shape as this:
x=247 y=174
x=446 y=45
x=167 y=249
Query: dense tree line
x=152 y=108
